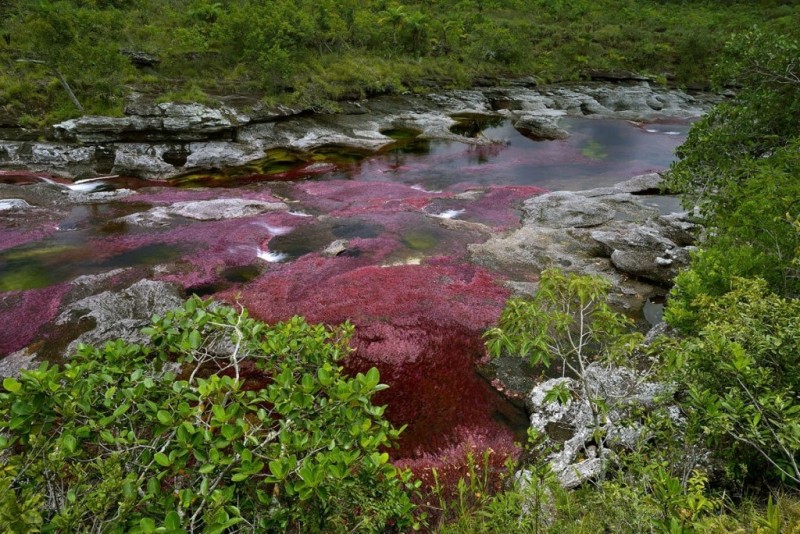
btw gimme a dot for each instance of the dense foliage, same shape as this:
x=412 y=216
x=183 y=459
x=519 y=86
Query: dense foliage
x=739 y=379
x=313 y=52
x=171 y=436
x=740 y=165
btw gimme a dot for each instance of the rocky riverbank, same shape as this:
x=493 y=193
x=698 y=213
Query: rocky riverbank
x=162 y=140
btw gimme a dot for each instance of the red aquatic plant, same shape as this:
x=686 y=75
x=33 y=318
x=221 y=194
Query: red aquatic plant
x=419 y=325
x=23 y=313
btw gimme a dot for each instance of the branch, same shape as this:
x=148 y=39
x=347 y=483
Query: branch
x=61 y=79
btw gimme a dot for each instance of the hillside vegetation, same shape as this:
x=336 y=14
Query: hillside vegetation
x=311 y=53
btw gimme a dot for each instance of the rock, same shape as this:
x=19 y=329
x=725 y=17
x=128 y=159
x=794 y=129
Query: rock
x=540 y=128
x=336 y=248
x=141 y=59
x=151 y=140
x=203 y=210
x=142 y=159
x=120 y=314
x=163 y=122
x=573 y=423
x=620 y=75
x=605 y=231
x=219 y=154
x=18 y=361
x=565 y=209
x=9 y=204
x=644 y=252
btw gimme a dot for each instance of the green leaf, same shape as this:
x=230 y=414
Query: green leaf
x=205 y=469
x=69 y=442
x=11 y=385
x=162 y=459
x=195 y=340
x=173 y=521
x=238 y=477
x=164 y=417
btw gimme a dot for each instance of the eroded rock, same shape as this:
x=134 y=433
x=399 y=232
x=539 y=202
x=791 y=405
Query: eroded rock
x=120 y=314
x=540 y=128
x=141 y=143
x=203 y=210
x=606 y=231
x=573 y=423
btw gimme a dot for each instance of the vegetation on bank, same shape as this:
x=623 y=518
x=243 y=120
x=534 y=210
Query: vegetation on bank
x=123 y=439
x=313 y=53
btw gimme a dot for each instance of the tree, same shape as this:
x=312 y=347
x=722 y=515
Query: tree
x=740 y=165
x=220 y=424
x=763 y=117
x=568 y=320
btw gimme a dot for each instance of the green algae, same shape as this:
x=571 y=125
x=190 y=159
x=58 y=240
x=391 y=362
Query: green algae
x=594 y=150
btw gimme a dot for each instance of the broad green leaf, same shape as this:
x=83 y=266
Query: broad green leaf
x=11 y=385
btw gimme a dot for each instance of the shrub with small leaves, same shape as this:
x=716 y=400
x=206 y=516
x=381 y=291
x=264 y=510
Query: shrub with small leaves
x=220 y=424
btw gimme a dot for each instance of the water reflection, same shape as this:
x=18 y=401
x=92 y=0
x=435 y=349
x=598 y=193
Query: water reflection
x=598 y=153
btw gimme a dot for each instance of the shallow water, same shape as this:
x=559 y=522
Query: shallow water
x=598 y=153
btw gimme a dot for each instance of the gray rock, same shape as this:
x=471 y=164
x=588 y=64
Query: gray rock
x=203 y=210
x=606 y=231
x=141 y=142
x=120 y=314
x=572 y=424
x=335 y=248
x=540 y=128
x=220 y=154
x=9 y=204
x=644 y=252
x=142 y=159
x=18 y=361
x=565 y=209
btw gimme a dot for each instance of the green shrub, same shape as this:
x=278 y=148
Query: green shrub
x=220 y=424
x=739 y=379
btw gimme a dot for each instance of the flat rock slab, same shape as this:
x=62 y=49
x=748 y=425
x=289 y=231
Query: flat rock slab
x=204 y=210
x=606 y=231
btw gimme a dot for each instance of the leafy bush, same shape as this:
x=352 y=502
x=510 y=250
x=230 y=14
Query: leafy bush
x=220 y=424
x=739 y=379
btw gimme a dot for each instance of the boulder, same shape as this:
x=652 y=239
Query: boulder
x=120 y=314
x=540 y=128
x=572 y=424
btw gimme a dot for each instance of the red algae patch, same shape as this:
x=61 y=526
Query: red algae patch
x=419 y=325
x=23 y=313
